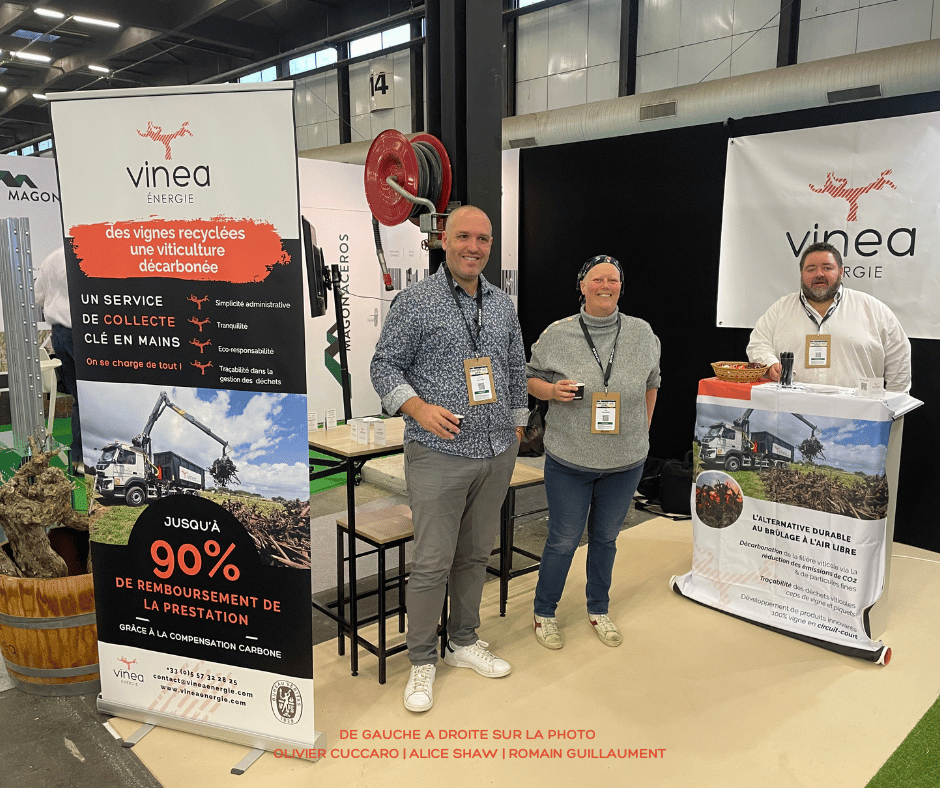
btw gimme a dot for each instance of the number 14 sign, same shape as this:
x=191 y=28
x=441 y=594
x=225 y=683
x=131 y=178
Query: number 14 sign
x=381 y=84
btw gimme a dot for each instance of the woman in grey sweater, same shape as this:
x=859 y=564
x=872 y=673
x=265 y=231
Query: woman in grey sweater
x=595 y=445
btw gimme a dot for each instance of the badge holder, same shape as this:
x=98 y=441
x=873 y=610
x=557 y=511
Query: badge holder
x=479 y=372
x=605 y=413
x=818 y=351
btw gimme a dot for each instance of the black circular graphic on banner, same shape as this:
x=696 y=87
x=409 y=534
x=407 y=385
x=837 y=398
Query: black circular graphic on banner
x=718 y=499
x=286 y=702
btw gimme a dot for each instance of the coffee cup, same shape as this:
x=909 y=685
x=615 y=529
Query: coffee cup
x=579 y=393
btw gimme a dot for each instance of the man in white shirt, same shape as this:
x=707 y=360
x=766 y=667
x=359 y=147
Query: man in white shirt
x=836 y=335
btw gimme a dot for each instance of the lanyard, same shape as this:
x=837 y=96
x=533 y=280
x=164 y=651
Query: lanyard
x=813 y=315
x=479 y=300
x=597 y=358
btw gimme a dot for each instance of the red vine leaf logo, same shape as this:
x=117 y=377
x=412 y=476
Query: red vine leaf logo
x=838 y=187
x=156 y=134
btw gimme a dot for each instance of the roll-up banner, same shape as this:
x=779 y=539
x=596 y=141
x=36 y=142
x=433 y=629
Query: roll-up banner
x=791 y=509
x=182 y=238
x=870 y=188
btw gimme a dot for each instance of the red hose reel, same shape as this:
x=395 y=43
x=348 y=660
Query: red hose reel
x=405 y=180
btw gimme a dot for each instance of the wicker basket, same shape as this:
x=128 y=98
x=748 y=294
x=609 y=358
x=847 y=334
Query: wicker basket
x=737 y=375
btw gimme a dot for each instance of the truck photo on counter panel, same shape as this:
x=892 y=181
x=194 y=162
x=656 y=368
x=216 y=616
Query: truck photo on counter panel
x=183 y=255
x=853 y=470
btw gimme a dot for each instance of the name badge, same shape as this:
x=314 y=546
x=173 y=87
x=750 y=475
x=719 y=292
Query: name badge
x=605 y=413
x=818 y=351
x=480 y=389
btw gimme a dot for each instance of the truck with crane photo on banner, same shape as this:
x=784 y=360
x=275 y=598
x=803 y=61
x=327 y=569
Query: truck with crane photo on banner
x=133 y=471
x=734 y=447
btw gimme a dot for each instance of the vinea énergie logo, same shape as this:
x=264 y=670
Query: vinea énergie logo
x=875 y=243
x=127 y=675
x=157 y=134
x=168 y=179
x=838 y=188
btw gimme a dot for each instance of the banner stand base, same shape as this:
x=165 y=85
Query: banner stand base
x=142 y=731
x=311 y=751
x=245 y=763
x=880 y=656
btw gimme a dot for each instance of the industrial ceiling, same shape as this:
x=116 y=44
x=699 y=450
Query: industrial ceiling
x=52 y=46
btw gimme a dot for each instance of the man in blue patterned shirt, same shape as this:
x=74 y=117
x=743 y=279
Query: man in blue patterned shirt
x=451 y=360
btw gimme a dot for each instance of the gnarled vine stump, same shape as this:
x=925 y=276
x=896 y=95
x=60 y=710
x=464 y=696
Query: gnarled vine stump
x=35 y=497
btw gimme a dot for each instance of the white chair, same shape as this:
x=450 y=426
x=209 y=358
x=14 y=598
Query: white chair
x=50 y=384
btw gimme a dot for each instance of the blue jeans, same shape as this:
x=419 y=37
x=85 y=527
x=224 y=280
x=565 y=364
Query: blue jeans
x=602 y=500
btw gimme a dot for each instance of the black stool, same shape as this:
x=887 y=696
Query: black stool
x=382 y=530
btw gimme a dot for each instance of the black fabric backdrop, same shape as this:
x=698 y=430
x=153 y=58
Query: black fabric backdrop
x=654 y=202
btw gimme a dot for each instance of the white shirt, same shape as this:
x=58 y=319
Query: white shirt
x=867 y=341
x=52 y=289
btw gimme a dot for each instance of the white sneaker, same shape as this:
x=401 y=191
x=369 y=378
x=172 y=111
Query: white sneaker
x=418 y=691
x=547 y=632
x=476 y=657
x=606 y=630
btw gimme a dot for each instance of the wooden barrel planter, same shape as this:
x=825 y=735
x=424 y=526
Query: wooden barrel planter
x=48 y=636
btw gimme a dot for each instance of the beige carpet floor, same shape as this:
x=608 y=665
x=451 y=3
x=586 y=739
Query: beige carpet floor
x=721 y=702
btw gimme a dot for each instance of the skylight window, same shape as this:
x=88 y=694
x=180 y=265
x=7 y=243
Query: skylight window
x=318 y=59
x=379 y=41
x=32 y=35
x=265 y=75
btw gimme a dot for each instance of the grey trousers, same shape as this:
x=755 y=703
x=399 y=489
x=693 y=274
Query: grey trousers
x=455 y=503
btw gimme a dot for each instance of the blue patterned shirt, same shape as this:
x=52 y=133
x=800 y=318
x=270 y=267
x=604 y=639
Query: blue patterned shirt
x=421 y=351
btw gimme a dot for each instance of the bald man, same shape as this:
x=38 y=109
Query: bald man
x=451 y=360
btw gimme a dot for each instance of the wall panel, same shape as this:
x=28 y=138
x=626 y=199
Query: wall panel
x=654 y=201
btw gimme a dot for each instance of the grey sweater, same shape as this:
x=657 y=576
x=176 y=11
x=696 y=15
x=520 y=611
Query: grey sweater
x=563 y=352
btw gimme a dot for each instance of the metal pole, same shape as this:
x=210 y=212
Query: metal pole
x=22 y=340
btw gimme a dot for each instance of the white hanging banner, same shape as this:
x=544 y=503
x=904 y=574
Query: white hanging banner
x=182 y=239
x=871 y=189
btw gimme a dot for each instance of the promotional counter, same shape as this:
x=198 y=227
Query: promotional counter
x=793 y=510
